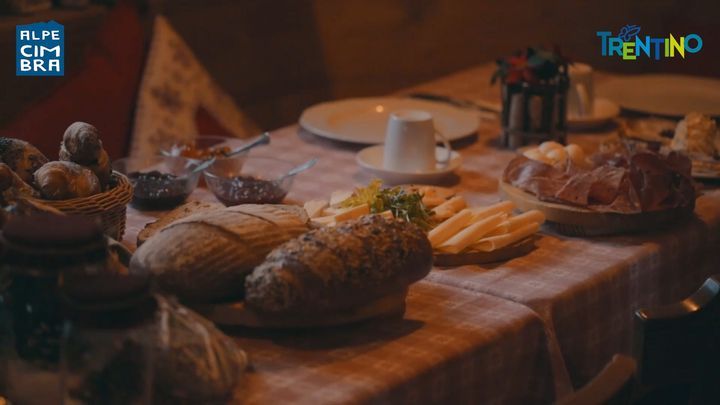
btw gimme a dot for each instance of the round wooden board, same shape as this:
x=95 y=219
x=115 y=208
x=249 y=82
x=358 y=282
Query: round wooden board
x=518 y=249
x=576 y=221
x=237 y=314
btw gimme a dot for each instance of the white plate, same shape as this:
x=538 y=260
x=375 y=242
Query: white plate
x=603 y=111
x=668 y=95
x=364 y=120
x=371 y=159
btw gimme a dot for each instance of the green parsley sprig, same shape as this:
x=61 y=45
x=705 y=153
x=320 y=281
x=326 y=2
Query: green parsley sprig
x=404 y=205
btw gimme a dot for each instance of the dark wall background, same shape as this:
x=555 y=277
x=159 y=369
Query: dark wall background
x=277 y=57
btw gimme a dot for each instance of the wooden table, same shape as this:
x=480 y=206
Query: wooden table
x=584 y=291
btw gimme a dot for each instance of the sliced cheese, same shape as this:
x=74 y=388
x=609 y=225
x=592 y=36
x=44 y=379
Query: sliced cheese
x=314 y=208
x=472 y=233
x=432 y=201
x=492 y=243
x=484 y=212
x=327 y=220
x=352 y=213
x=517 y=222
x=449 y=207
x=339 y=196
x=449 y=227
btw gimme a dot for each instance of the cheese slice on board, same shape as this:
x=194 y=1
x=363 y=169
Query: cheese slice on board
x=449 y=227
x=472 y=233
x=518 y=221
x=484 y=212
x=449 y=207
x=492 y=243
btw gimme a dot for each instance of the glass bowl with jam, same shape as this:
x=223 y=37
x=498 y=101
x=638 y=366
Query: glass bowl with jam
x=249 y=180
x=204 y=147
x=159 y=182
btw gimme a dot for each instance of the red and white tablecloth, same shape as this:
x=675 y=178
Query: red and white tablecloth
x=513 y=332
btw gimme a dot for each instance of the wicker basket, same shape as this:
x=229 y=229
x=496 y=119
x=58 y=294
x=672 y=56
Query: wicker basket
x=109 y=206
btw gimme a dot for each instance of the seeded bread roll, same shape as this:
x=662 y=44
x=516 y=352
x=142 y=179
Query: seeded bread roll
x=337 y=268
x=205 y=257
x=23 y=158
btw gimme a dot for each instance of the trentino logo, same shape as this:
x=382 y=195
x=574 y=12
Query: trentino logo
x=40 y=49
x=629 y=45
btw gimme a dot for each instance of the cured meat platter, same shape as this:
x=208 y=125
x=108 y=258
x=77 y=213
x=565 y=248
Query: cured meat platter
x=578 y=221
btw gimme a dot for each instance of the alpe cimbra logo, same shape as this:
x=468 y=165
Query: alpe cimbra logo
x=629 y=44
x=40 y=49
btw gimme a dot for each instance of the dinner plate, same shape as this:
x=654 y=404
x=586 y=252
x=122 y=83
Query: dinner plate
x=371 y=159
x=364 y=120
x=663 y=94
x=603 y=111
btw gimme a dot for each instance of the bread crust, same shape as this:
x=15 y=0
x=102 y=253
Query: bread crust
x=206 y=256
x=185 y=210
x=338 y=268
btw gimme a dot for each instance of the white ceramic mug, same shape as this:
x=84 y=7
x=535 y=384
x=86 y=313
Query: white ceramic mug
x=581 y=93
x=410 y=142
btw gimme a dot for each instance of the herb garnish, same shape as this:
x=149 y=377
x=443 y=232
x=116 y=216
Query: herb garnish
x=404 y=205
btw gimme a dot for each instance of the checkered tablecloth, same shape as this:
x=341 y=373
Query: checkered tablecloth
x=583 y=290
x=452 y=346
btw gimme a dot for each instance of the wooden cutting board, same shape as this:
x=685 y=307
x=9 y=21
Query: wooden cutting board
x=517 y=249
x=238 y=314
x=577 y=221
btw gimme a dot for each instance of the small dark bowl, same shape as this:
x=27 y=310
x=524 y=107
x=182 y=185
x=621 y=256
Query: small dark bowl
x=160 y=183
x=249 y=180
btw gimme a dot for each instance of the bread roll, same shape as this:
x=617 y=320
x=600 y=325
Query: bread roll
x=23 y=158
x=10 y=182
x=66 y=180
x=82 y=144
x=101 y=169
x=339 y=268
x=205 y=257
x=7 y=176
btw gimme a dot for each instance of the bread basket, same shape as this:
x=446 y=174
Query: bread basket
x=109 y=206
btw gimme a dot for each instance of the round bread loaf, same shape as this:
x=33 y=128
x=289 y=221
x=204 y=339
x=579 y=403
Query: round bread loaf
x=205 y=257
x=336 y=268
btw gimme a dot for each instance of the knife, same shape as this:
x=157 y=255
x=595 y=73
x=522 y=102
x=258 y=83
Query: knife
x=480 y=105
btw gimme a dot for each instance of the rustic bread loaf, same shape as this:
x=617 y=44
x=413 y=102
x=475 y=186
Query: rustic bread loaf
x=185 y=210
x=205 y=257
x=337 y=268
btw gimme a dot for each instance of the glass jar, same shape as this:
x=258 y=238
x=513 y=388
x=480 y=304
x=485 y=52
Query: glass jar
x=109 y=340
x=36 y=250
x=533 y=113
